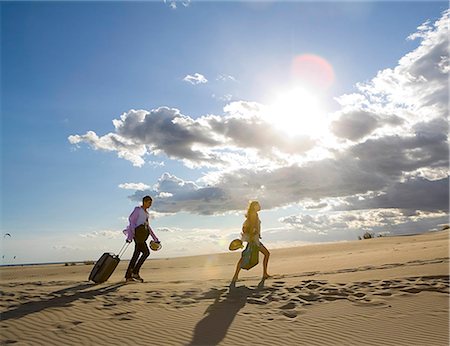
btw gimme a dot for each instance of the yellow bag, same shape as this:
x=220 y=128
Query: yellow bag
x=250 y=256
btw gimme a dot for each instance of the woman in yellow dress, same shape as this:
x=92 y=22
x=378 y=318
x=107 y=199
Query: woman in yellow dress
x=251 y=233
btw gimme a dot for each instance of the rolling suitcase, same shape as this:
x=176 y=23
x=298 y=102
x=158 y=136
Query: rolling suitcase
x=106 y=265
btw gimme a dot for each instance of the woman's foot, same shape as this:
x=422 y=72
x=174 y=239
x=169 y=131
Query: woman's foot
x=266 y=276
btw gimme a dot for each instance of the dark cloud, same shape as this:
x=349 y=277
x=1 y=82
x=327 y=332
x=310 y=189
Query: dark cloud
x=355 y=125
x=166 y=130
x=375 y=165
x=179 y=195
x=201 y=142
x=413 y=195
x=393 y=155
x=255 y=133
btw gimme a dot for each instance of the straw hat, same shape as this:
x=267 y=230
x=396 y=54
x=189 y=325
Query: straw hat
x=236 y=244
x=155 y=246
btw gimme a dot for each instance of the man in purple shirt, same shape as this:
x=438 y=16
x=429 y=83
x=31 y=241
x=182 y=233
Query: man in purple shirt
x=139 y=230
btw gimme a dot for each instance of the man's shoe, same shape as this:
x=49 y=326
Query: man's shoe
x=129 y=280
x=137 y=277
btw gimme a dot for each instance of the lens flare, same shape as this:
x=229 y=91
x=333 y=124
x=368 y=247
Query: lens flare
x=312 y=70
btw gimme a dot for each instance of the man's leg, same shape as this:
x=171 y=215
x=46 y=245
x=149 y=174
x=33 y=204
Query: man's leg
x=143 y=247
x=133 y=260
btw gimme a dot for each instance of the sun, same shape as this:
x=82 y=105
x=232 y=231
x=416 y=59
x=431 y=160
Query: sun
x=298 y=111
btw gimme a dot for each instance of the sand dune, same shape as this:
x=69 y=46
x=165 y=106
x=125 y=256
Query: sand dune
x=384 y=291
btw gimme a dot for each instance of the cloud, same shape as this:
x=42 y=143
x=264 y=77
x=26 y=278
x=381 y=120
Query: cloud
x=197 y=78
x=226 y=97
x=210 y=141
x=173 y=4
x=64 y=248
x=383 y=220
x=225 y=78
x=168 y=229
x=392 y=156
x=414 y=91
x=409 y=196
x=274 y=188
x=125 y=149
x=103 y=234
x=355 y=125
x=181 y=195
x=134 y=186
x=387 y=148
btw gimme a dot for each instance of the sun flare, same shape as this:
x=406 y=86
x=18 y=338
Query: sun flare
x=298 y=112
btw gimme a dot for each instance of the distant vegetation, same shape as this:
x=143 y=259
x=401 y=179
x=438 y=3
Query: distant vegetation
x=75 y=263
x=368 y=235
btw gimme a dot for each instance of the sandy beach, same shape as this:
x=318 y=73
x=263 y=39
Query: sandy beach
x=382 y=291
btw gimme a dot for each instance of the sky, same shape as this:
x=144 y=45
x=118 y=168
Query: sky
x=333 y=115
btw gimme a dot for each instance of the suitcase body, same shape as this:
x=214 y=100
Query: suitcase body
x=104 y=267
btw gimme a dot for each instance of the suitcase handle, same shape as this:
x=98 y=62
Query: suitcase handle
x=123 y=249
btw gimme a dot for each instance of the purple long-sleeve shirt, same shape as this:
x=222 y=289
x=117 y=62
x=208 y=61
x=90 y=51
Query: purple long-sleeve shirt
x=138 y=217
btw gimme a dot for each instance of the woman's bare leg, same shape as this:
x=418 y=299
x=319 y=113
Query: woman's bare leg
x=266 y=253
x=238 y=269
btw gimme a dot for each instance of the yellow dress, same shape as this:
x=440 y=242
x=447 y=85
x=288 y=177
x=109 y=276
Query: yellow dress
x=251 y=231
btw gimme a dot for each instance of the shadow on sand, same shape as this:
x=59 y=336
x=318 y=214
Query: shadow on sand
x=213 y=328
x=64 y=298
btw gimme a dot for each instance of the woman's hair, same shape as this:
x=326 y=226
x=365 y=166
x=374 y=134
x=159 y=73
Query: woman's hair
x=146 y=198
x=251 y=208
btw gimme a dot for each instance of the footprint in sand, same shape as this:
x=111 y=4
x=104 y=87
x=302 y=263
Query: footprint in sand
x=288 y=310
x=288 y=306
x=125 y=319
x=313 y=285
x=126 y=299
x=123 y=313
x=279 y=283
x=333 y=298
x=331 y=294
x=290 y=313
x=309 y=297
x=310 y=273
x=413 y=290
x=359 y=295
x=385 y=294
x=181 y=302
x=67 y=325
x=257 y=301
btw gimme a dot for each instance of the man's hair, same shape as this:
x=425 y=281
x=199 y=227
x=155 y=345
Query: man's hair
x=146 y=198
